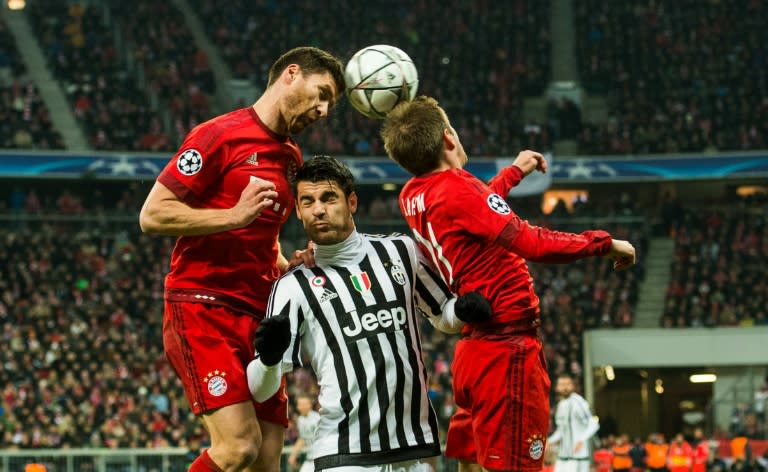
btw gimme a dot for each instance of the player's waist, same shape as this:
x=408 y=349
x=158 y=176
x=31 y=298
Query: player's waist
x=233 y=301
x=505 y=324
x=378 y=457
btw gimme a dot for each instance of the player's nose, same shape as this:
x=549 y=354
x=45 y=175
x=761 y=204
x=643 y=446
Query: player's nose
x=318 y=209
x=322 y=109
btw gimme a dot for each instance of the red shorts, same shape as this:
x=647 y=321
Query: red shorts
x=209 y=347
x=501 y=388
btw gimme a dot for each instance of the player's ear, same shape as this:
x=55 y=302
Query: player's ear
x=449 y=139
x=291 y=72
x=352 y=202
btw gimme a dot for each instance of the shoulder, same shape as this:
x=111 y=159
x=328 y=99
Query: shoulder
x=212 y=134
x=290 y=280
x=392 y=239
x=580 y=399
x=387 y=238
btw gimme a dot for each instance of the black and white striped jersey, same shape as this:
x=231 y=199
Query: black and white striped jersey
x=355 y=318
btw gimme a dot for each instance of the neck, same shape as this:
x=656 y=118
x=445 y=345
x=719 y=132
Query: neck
x=449 y=160
x=268 y=109
x=343 y=253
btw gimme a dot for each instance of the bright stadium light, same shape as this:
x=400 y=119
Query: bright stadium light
x=659 y=388
x=16 y=4
x=702 y=378
x=609 y=373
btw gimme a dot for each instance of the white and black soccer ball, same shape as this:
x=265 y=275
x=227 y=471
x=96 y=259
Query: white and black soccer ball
x=378 y=78
x=189 y=162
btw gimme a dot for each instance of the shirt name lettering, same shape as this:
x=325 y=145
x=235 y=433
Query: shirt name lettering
x=414 y=205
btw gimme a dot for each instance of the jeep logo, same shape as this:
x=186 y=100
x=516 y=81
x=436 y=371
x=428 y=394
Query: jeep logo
x=384 y=320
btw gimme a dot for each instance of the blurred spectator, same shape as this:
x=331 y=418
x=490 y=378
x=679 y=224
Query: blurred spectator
x=718 y=268
x=24 y=119
x=638 y=455
x=101 y=84
x=678 y=75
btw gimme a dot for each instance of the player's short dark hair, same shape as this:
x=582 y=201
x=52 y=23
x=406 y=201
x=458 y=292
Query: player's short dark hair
x=311 y=60
x=413 y=134
x=326 y=168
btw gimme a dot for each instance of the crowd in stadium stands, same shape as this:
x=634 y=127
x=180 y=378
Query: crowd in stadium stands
x=479 y=58
x=694 y=80
x=174 y=68
x=123 y=92
x=678 y=75
x=718 y=272
x=24 y=119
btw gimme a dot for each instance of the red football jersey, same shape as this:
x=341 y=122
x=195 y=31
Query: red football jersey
x=480 y=244
x=212 y=167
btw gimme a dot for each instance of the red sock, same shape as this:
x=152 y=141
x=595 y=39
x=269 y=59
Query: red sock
x=204 y=464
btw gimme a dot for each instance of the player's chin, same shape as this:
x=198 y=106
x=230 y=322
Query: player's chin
x=300 y=125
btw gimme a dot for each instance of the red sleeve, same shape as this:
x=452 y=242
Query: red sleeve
x=197 y=166
x=539 y=244
x=485 y=214
x=506 y=179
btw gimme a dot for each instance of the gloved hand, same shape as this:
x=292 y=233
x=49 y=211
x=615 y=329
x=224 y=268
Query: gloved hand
x=272 y=338
x=473 y=308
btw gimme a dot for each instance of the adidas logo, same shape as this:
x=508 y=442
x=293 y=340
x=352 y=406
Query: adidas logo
x=253 y=159
x=328 y=295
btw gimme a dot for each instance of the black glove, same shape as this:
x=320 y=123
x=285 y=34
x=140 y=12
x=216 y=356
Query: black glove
x=473 y=308
x=272 y=338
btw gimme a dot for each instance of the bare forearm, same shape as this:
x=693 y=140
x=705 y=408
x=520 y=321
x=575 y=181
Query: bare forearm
x=177 y=219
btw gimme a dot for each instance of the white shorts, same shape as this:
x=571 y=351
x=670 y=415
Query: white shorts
x=307 y=466
x=418 y=465
x=572 y=465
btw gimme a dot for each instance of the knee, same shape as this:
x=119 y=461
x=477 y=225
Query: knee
x=244 y=451
x=236 y=453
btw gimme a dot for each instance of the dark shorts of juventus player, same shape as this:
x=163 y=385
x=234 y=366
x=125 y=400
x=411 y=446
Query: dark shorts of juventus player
x=479 y=244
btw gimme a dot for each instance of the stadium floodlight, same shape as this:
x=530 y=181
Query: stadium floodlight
x=702 y=378
x=609 y=373
x=16 y=4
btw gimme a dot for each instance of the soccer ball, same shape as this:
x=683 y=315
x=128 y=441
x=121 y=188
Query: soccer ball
x=378 y=78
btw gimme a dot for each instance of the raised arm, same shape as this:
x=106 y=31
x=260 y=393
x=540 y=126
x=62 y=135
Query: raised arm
x=525 y=163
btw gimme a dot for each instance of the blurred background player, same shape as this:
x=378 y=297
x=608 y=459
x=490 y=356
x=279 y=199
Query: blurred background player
x=355 y=315
x=226 y=194
x=306 y=424
x=575 y=425
x=467 y=227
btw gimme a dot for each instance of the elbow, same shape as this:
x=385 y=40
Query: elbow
x=146 y=222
